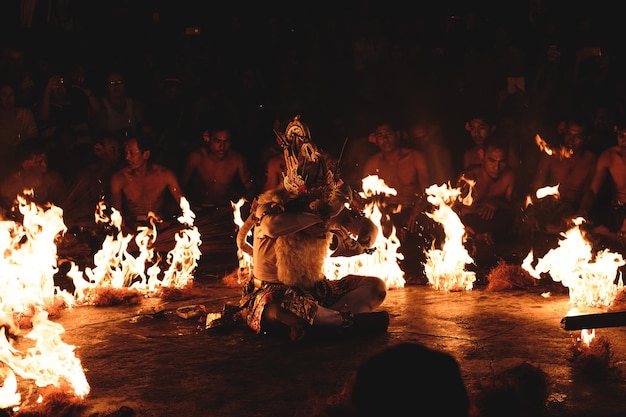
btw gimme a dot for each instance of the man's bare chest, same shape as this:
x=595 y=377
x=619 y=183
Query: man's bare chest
x=220 y=171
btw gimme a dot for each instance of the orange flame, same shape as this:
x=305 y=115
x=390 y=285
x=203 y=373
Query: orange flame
x=563 y=152
x=590 y=278
x=445 y=267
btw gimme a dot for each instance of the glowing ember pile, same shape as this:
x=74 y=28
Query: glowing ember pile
x=27 y=290
x=445 y=267
x=592 y=280
x=383 y=261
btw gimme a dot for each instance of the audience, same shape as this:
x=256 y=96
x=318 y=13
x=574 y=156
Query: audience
x=72 y=101
x=16 y=124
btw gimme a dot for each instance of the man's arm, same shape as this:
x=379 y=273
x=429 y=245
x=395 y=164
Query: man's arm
x=116 y=186
x=421 y=166
x=174 y=186
x=189 y=168
x=599 y=176
x=246 y=179
x=275 y=222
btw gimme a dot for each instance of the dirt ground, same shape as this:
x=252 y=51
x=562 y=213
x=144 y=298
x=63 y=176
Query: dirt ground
x=164 y=365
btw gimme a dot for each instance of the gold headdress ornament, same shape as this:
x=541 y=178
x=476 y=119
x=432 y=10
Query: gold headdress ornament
x=306 y=169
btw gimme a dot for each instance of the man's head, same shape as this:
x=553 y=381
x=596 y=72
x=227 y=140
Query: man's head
x=494 y=156
x=115 y=84
x=479 y=128
x=575 y=134
x=107 y=149
x=137 y=150
x=218 y=140
x=386 y=137
x=7 y=96
x=32 y=156
x=620 y=130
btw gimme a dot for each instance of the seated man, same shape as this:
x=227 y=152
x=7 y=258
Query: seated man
x=487 y=198
x=93 y=183
x=572 y=172
x=608 y=218
x=214 y=176
x=406 y=171
x=142 y=187
x=47 y=186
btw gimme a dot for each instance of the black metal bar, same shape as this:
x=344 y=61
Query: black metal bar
x=594 y=321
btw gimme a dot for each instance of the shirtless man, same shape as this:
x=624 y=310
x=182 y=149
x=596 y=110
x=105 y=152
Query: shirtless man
x=142 y=186
x=274 y=170
x=492 y=185
x=609 y=220
x=405 y=170
x=214 y=175
x=572 y=173
x=480 y=128
x=48 y=186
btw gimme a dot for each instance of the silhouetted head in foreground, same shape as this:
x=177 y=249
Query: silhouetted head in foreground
x=409 y=379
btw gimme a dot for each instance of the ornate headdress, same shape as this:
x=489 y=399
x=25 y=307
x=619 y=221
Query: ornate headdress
x=307 y=171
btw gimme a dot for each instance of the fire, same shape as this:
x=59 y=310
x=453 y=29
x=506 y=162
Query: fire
x=591 y=279
x=383 y=261
x=28 y=268
x=563 y=152
x=183 y=259
x=543 y=193
x=445 y=267
x=115 y=267
x=244 y=257
x=548 y=190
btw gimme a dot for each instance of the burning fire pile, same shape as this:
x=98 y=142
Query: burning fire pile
x=591 y=356
x=383 y=261
x=31 y=347
x=118 y=273
x=593 y=280
x=445 y=267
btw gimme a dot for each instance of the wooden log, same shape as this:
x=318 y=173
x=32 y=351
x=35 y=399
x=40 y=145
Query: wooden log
x=594 y=321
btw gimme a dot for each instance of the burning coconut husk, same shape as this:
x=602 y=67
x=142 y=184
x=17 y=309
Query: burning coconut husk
x=520 y=390
x=236 y=278
x=108 y=296
x=508 y=277
x=505 y=276
x=591 y=358
x=167 y=294
x=58 y=404
x=619 y=302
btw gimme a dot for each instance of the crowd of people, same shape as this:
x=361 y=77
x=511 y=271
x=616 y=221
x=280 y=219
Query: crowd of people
x=172 y=104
